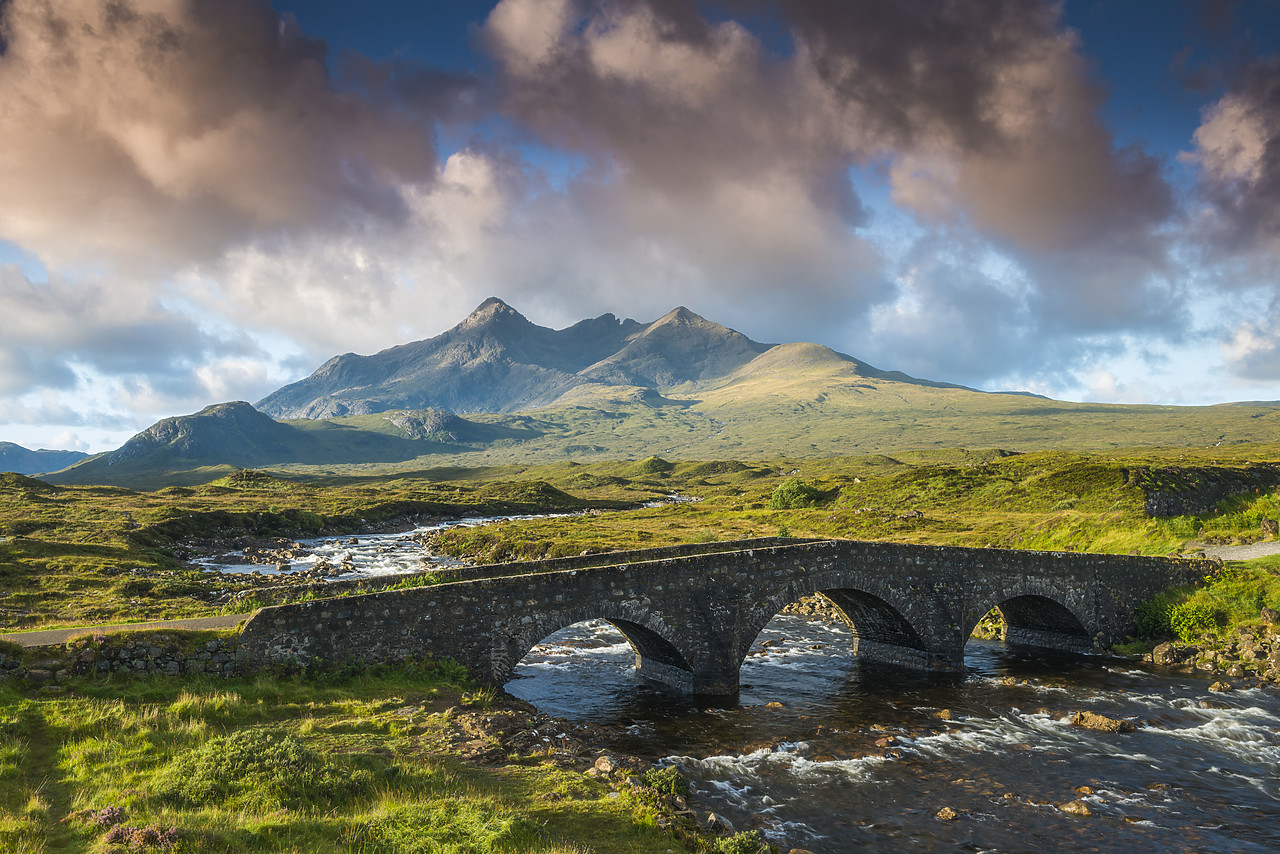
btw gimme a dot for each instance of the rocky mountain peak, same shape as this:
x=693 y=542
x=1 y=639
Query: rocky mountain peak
x=493 y=311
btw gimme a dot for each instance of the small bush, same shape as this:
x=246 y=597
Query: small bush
x=794 y=493
x=1153 y=617
x=746 y=842
x=668 y=781
x=1189 y=619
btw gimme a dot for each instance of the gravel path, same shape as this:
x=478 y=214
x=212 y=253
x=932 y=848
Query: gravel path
x=49 y=637
x=1242 y=552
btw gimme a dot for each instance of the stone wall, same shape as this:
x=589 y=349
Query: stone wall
x=139 y=653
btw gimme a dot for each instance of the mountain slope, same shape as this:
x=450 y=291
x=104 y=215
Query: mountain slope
x=18 y=459
x=196 y=448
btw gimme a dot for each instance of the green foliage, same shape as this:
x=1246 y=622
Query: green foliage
x=668 y=781
x=266 y=769
x=793 y=494
x=1190 y=619
x=1152 y=617
x=743 y=842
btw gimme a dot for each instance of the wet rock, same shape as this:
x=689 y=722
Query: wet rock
x=943 y=714
x=1221 y=687
x=1076 y=807
x=1237 y=671
x=1100 y=723
x=1166 y=654
x=718 y=823
x=946 y=814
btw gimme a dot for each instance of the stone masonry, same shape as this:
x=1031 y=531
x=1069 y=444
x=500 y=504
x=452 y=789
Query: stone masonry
x=692 y=613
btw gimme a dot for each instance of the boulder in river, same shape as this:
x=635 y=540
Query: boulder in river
x=1100 y=723
x=1076 y=807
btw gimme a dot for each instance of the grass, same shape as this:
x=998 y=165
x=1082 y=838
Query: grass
x=344 y=763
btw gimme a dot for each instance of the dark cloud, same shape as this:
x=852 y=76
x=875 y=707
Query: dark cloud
x=1238 y=151
x=162 y=132
x=982 y=116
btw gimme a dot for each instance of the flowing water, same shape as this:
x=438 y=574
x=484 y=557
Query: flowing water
x=821 y=754
x=370 y=554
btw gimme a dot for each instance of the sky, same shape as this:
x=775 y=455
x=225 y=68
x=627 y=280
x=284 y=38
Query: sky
x=203 y=200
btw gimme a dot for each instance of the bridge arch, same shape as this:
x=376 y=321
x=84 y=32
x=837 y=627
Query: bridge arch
x=657 y=657
x=884 y=622
x=1039 y=615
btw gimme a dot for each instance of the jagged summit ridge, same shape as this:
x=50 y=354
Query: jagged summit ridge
x=496 y=360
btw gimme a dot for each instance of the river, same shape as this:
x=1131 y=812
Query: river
x=821 y=754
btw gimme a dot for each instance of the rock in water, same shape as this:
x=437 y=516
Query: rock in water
x=1100 y=723
x=1076 y=807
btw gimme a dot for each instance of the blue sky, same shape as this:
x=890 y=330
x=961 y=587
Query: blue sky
x=203 y=201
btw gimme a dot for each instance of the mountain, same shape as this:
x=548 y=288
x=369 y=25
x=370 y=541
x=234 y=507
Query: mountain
x=197 y=448
x=18 y=459
x=682 y=387
x=498 y=361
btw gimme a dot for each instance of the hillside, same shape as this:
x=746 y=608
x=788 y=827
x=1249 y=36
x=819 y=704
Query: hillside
x=18 y=459
x=201 y=447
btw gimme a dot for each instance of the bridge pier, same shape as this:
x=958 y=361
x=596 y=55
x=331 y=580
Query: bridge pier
x=909 y=658
x=1047 y=639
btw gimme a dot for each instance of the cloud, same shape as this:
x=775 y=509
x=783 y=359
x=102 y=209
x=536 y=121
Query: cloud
x=1237 y=148
x=55 y=329
x=154 y=133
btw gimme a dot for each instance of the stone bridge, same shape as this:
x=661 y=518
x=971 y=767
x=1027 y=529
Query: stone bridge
x=692 y=613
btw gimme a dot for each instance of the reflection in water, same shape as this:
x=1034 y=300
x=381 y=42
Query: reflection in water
x=822 y=754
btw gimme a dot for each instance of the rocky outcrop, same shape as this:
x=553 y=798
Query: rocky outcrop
x=1173 y=491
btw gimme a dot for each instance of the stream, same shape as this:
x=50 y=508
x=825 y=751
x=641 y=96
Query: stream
x=818 y=753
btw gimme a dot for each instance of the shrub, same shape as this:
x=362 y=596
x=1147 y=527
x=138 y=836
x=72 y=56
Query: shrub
x=746 y=842
x=1190 y=619
x=668 y=781
x=794 y=493
x=1153 y=617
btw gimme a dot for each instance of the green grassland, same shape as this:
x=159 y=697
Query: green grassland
x=79 y=555
x=364 y=763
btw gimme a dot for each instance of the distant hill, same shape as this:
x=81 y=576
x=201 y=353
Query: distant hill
x=18 y=459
